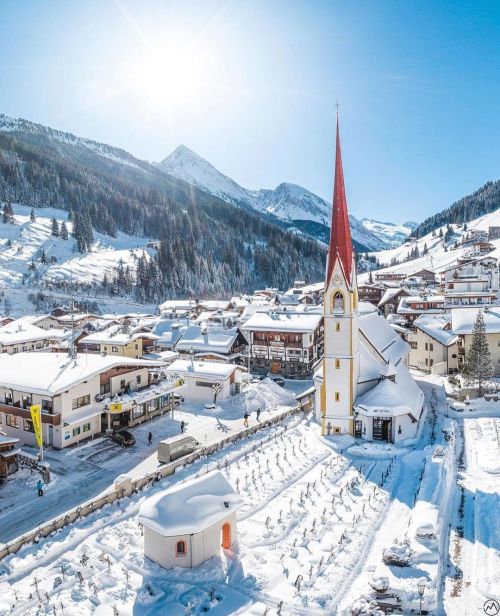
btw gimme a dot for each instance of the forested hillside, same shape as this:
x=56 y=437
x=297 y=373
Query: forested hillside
x=208 y=247
x=486 y=199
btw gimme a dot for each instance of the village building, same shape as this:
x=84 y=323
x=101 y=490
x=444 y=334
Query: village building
x=189 y=523
x=462 y=323
x=371 y=293
x=20 y=336
x=202 y=379
x=433 y=344
x=412 y=306
x=168 y=332
x=119 y=340
x=212 y=343
x=8 y=455
x=362 y=386
x=385 y=275
x=469 y=291
x=284 y=342
x=76 y=394
x=390 y=300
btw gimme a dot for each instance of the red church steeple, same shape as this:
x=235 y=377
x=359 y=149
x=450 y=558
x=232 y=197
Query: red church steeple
x=340 y=233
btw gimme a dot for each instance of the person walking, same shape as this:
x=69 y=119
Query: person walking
x=150 y=438
x=245 y=419
x=183 y=426
x=39 y=487
x=258 y=413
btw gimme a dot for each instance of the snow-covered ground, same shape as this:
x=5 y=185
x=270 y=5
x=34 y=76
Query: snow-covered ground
x=23 y=242
x=319 y=518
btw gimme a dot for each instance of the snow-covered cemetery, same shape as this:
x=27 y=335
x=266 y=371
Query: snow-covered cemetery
x=330 y=448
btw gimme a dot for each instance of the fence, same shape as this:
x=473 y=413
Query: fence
x=45 y=529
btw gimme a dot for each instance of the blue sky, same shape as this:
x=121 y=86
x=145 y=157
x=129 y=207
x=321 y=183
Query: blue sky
x=251 y=85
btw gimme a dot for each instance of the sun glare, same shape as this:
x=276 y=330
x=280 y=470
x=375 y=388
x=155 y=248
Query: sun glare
x=169 y=73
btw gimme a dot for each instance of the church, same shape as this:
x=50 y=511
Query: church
x=363 y=387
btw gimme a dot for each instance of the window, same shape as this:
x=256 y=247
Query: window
x=337 y=327
x=431 y=347
x=12 y=421
x=431 y=362
x=122 y=384
x=47 y=405
x=426 y=346
x=136 y=347
x=105 y=388
x=180 y=548
x=8 y=398
x=277 y=338
x=114 y=349
x=337 y=396
x=76 y=431
x=25 y=348
x=26 y=402
x=338 y=302
x=28 y=425
x=337 y=363
x=86 y=427
x=203 y=384
x=138 y=379
x=81 y=401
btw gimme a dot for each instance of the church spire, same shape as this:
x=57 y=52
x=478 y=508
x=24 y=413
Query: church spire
x=340 y=233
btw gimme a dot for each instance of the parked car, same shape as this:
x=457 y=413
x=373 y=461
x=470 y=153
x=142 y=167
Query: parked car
x=123 y=438
x=178 y=399
x=210 y=406
x=175 y=447
x=279 y=380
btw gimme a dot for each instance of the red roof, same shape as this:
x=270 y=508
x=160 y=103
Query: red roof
x=340 y=233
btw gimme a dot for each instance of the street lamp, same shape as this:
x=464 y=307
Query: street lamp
x=421 y=589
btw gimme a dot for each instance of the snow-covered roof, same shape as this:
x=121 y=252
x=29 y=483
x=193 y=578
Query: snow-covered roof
x=115 y=335
x=207 y=369
x=382 y=337
x=208 y=338
x=191 y=507
x=438 y=327
x=390 y=294
x=283 y=322
x=393 y=398
x=16 y=333
x=53 y=373
x=463 y=319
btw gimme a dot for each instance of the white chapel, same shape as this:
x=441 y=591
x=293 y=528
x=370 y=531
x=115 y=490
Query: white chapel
x=362 y=386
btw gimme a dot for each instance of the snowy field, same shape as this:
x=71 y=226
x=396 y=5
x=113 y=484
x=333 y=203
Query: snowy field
x=23 y=241
x=327 y=527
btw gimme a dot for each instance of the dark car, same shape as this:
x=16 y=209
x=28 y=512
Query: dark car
x=279 y=380
x=123 y=438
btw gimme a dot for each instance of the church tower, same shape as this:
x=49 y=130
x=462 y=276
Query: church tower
x=337 y=382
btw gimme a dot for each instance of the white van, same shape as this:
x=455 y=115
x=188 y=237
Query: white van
x=175 y=447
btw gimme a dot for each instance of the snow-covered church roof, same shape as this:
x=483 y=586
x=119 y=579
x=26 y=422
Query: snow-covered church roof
x=190 y=507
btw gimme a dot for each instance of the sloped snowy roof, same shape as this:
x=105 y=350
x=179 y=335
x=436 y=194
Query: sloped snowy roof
x=190 y=507
x=114 y=335
x=389 y=294
x=369 y=367
x=283 y=322
x=16 y=333
x=215 y=339
x=393 y=398
x=53 y=373
x=383 y=338
x=463 y=319
x=208 y=369
x=434 y=326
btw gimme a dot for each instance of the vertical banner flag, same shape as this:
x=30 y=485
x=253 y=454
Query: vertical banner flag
x=36 y=418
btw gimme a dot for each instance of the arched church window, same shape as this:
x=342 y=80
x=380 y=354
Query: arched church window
x=338 y=302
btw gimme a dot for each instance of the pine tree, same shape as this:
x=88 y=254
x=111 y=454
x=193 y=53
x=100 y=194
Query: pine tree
x=478 y=366
x=43 y=257
x=370 y=277
x=64 y=231
x=54 y=228
x=426 y=250
x=32 y=215
x=8 y=213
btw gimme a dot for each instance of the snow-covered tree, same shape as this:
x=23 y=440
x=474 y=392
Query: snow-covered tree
x=8 y=213
x=54 y=228
x=216 y=389
x=64 y=231
x=478 y=366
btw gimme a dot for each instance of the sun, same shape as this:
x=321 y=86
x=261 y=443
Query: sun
x=170 y=73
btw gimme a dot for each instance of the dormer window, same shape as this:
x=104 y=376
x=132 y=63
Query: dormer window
x=338 y=302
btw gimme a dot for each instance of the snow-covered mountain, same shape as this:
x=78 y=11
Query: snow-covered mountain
x=288 y=202
x=391 y=233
